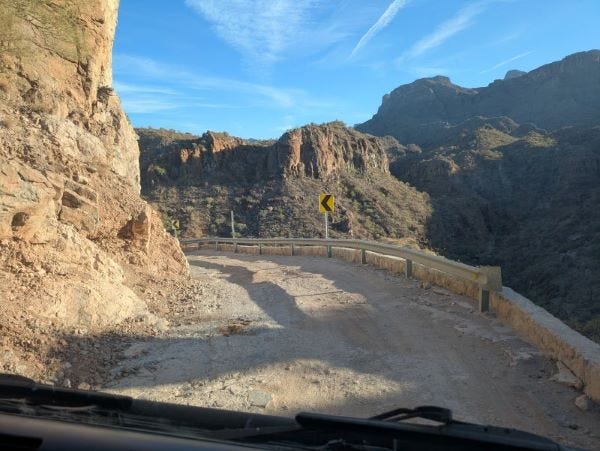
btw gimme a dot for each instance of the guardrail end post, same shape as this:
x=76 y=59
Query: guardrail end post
x=329 y=251
x=292 y=249
x=363 y=256
x=484 y=300
x=408 y=268
x=259 y=248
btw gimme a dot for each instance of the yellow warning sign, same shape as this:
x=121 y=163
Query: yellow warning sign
x=326 y=203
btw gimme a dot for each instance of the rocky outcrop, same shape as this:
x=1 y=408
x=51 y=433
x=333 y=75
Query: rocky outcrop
x=273 y=186
x=322 y=151
x=69 y=174
x=311 y=151
x=513 y=74
x=562 y=93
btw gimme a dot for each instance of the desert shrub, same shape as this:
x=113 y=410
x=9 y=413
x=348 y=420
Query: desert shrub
x=589 y=328
x=490 y=154
x=104 y=93
x=157 y=169
x=170 y=223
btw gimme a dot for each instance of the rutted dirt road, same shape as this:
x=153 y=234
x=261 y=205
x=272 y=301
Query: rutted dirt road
x=284 y=334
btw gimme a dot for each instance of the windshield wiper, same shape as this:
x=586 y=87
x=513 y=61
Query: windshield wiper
x=433 y=413
x=387 y=429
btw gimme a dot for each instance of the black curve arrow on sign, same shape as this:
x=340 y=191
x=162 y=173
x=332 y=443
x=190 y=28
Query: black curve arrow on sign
x=325 y=201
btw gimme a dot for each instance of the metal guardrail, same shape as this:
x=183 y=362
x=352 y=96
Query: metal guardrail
x=488 y=278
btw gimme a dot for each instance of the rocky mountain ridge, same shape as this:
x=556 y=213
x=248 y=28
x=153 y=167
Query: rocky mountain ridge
x=273 y=187
x=562 y=93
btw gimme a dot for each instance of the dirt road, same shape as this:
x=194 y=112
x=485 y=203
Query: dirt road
x=285 y=334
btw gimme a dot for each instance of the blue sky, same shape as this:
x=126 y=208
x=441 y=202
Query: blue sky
x=255 y=68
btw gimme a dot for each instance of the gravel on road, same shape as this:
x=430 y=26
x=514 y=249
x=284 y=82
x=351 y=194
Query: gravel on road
x=280 y=335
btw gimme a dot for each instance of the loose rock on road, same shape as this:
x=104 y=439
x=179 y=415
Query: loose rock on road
x=280 y=335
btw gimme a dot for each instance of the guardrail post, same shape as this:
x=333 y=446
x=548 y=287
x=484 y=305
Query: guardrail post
x=408 y=268
x=259 y=248
x=493 y=282
x=216 y=245
x=199 y=245
x=484 y=300
x=363 y=256
x=329 y=251
x=292 y=249
x=235 y=247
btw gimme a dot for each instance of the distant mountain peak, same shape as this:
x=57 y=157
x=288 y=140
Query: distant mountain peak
x=514 y=74
x=439 y=79
x=554 y=95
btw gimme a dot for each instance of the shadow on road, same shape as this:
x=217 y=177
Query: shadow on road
x=382 y=339
x=346 y=337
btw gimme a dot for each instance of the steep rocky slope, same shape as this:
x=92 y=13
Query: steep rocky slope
x=76 y=240
x=513 y=173
x=528 y=204
x=273 y=187
x=561 y=93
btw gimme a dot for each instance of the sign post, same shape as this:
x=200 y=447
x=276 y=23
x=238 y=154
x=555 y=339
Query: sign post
x=326 y=205
x=232 y=226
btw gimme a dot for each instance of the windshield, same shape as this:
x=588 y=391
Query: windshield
x=281 y=206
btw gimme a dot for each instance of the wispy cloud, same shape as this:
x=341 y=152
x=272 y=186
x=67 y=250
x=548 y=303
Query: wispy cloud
x=507 y=61
x=145 y=67
x=461 y=20
x=126 y=88
x=383 y=21
x=263 y=31
x=179 y=83
x=507 y=37
x=140 y=99
x=133 y=104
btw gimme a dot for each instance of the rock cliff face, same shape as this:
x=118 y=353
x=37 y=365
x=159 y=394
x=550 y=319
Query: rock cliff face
x=562 y=93
x=74 y=232
x=273 y=186
x=310 y=151
x=325 y=151
x=56 y=64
